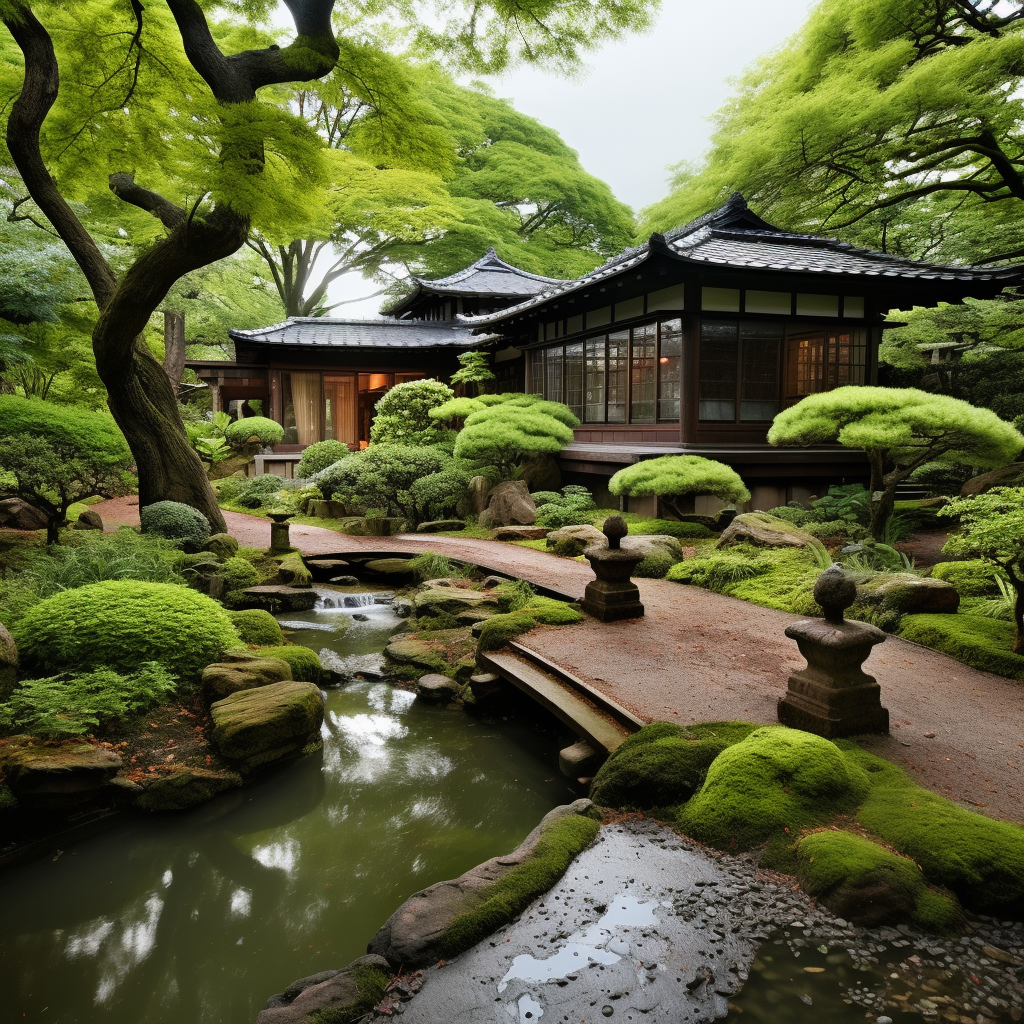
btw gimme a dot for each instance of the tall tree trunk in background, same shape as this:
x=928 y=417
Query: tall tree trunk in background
x=174 y=348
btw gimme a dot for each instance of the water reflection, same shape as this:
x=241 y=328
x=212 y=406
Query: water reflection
x=198 y=917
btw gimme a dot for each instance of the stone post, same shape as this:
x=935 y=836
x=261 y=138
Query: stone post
x=279 y=540
x=833 y=696
x=613 y=595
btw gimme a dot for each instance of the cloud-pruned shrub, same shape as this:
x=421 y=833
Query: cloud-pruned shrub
x=182 y=525
x=675 y=477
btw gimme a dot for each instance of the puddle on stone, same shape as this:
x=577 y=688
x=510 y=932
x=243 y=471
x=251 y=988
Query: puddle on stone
x=586 y=947
x=529 y=1010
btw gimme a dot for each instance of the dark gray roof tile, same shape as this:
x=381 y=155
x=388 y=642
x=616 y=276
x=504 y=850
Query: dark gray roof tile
x=330 y=332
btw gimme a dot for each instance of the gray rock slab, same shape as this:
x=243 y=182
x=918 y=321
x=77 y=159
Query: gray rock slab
x=643 y=926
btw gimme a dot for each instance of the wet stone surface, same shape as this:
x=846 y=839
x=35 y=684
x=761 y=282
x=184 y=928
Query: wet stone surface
x=646 y=926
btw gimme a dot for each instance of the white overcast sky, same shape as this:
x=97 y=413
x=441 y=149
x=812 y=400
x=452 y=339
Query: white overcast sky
x=645 y=101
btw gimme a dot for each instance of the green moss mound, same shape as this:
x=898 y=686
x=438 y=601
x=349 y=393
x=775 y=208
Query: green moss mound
x=120 y=624
x=768 y=788
x=182 y=525
x=974 y=577
x=239 y=574
x=660 y=766
x=654 y=566
x=502 y=901
x=976 y=640
x=869 y=885
x=305 y=664
x=549 y=611
x=371 y=984
x=499 y=629
x=977 y=858
x=257 y=626
x=266 y=431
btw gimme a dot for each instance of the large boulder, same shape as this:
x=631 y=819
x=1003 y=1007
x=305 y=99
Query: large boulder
x=186 y=787
x=574 y=540
x=271 y=723
x=222 y=545
x=417 y=934
x=510 y=533
x=422 y=655
x=394 y=570
x=8 y=663
x=341 y=995
x=910 y=594
x=764 y=530
x=441 y=526
x=1005 y=476
x=435 y=598
x=276 y=597
x=323 y=570
x=293 y=571
x=653 y=543
x=222 y=679
x=479 y=488
x=36 y=770
x=16 y=514
x=89 y=520
x=509 y=504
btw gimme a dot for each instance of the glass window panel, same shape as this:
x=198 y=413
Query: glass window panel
x=302 y=400
x=767 y=302
x=726 y=300
x=643 y=383
x=340 y=407
x=595 y=380
x=666 y=298
x=575 y=324
x=806 y=363
x=574 y=378
x=553 y=374
x=817 y=305
x=536 y=382
x=618 y=376
x=719 y=349
x=599 y=317
x=853 y=305
x=669 y=364
x=629 y=308
x=759 y=370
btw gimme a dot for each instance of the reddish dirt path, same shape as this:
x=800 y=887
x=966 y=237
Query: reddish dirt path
x=697 y=656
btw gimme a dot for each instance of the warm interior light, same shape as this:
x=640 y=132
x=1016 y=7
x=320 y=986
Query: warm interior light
x=663 y=360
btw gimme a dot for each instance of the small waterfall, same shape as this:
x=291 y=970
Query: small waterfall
x=333 y=599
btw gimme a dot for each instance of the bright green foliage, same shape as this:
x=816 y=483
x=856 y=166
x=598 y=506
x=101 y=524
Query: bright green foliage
x=654 y=566
x=549 y=611
x=662 y=765
x=899 y=430
x=429 y=565
x=990 y=525
x=121 y=624
x=498 y=630
x=304 y=662
x=515 y=595
x=775 y=783
x=181 y=524
x=440 y=495
x=844 y=870
x=317 y=457
x=674 y=477
x=574 y=506
x=239 y=574
x=253 y=431
x=718 y=570
x=266 y=491
x=976 y=640
x=978 y=859
x=72 y=705
x=900 y=120
x=474 y=368
x=501 y=902
x=503 y=436
x=645 y=525
x=456 y=410
x=403 y=414
x=973 y=577
x=257 y=627
x=53 y=456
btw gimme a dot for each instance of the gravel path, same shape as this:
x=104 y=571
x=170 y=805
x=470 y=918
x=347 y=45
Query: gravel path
x=697 y=656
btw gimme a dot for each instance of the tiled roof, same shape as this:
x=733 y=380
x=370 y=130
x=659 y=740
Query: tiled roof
x=328 y=332
x=733 y=236
x=490 y=275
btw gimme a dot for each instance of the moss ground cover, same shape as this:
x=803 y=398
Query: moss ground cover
x=976 y=640
x=858 y=831
x=304 y=662
x=257 y=626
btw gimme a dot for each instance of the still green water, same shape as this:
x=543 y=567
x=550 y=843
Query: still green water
x=197 y=918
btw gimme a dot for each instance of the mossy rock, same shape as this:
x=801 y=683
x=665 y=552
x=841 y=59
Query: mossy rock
x=256 y=626
x=432 y=600
x=331 y=997
x=910 y=594
x=186 y=788
x=976 y=640
x=863 y=882
x=223 y=545
x=768 y=788
x=239 y=574
x=765 y=531
x=293 y=571
x=272 y=723
x=224 y=678
x=974 y=577
x=498 y=630
x=662 y=765
x=304 y=662
x=394 y=570
x=549 y=611
x=413 y=653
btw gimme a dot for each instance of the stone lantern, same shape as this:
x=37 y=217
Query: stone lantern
x=833 y=696
x=613 y=595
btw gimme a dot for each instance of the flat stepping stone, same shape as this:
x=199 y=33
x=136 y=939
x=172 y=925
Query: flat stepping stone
x=276 y=597
x=441 y=526
x=34 y=769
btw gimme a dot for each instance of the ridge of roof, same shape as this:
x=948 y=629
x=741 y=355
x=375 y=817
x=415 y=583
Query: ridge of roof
x=324 y=321
x=490 y=261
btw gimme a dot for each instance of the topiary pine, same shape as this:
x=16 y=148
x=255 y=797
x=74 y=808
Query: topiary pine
x=317 y=457
x=253 y=431
x=674 y=477
x=182 y=525
x=403 y=415
x=121 y=624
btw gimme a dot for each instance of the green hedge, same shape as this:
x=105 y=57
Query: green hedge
x=976 y=640
x=974 y=577
x=120 y=624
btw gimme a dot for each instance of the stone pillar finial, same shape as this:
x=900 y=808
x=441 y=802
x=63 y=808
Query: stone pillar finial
x=615 y=528
x=835 y=592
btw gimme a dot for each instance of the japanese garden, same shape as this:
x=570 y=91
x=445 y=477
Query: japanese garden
x=624 y=621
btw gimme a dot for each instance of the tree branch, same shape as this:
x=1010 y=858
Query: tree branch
x=122 y=184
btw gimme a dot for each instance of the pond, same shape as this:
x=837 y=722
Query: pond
x=196 y=918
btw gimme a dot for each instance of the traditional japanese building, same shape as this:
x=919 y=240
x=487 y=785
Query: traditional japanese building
x=689 y=344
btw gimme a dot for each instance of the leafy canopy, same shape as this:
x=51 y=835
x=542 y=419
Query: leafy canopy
x=673 y=477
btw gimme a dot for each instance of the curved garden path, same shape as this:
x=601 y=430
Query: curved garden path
x=699 y=656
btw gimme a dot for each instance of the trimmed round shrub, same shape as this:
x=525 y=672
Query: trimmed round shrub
x=120 y=624
x=654 y=566
x=256 y=626
x=182 y=525
x=317 y=457
x=265 y=431
x=305 y=663
x=403 y=415
x=239 y=574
